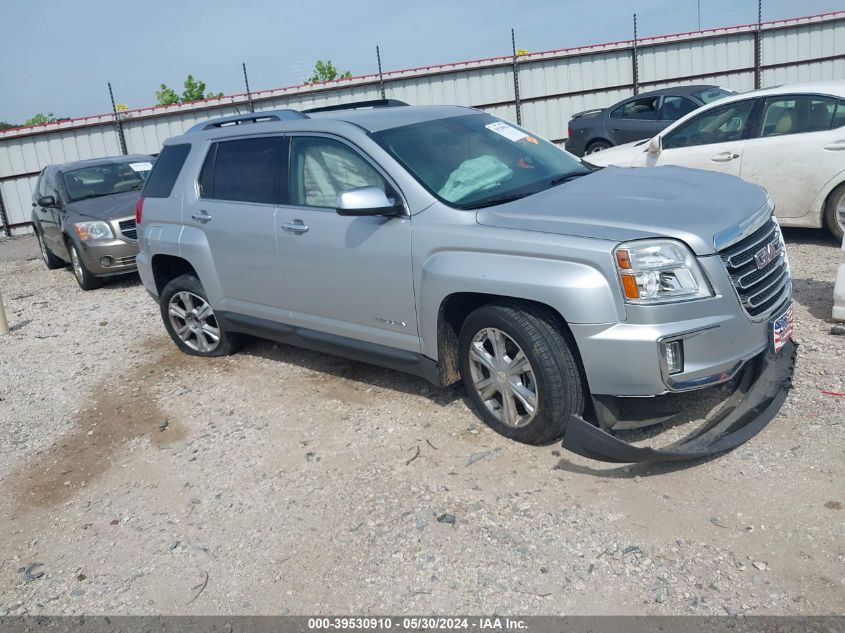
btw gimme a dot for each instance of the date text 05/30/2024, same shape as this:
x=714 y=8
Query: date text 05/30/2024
x=417 y=623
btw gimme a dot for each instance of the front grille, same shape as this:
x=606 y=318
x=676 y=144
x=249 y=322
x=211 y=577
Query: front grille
x=760 y=290
x=128 y=229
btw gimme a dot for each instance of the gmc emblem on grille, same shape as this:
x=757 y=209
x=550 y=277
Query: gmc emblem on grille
x=767 y=254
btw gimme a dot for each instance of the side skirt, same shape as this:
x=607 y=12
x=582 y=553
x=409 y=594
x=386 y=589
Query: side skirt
x=353 y=349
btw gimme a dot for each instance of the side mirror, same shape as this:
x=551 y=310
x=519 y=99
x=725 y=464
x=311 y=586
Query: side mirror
x=654 y=145
x=366 y=201
x=47 y=201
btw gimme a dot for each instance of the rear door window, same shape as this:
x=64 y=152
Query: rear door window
x=797 y=115
x=643 y=109
x=245 y=170
x=165 y=171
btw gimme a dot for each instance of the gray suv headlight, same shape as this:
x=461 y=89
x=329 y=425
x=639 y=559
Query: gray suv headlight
x=91 y=231
x=659 y=271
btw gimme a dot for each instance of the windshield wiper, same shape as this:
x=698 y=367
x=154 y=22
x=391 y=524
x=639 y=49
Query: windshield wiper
x=494 y=201
x=559 y=180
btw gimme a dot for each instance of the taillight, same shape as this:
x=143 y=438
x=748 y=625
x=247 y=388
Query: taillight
x=569 y=131
x=139 y=210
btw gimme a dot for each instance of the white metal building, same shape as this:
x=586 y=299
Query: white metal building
x=552 y=86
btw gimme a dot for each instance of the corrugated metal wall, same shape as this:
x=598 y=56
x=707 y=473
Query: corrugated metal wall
x=553 y=86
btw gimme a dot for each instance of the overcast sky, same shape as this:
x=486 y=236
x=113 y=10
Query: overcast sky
x=58 y=55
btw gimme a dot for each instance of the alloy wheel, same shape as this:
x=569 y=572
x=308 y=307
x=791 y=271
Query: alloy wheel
x=43 y=248
x=193 y=321
x=503 y=377
x=77 y=265
x=840 y=212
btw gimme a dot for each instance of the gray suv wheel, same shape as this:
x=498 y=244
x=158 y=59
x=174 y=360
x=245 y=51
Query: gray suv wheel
x=190 y=320
x=520 y=372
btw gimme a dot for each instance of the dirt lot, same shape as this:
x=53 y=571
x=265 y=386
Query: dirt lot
x=283 y=481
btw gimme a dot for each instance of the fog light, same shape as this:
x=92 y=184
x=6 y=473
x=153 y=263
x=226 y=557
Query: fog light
x=105 y=262
x=673 y=356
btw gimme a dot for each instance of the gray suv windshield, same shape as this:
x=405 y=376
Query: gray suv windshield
x=478 y=160
x=105 y=180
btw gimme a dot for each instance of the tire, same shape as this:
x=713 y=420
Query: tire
x=597 y=146
x=183 y=304
x=85 y=279
x=834 y=212
x=50 y=261
x=552 y=376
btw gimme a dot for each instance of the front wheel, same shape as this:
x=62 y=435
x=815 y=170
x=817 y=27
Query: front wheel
x=597 y=146
x=520 y=372
x=84 y=278
x=190 y=320
x=834 y=213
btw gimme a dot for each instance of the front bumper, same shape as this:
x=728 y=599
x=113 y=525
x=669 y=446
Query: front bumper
x=762 y=389
x=109 y=257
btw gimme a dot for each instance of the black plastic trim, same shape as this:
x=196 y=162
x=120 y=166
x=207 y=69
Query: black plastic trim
x=363 y=351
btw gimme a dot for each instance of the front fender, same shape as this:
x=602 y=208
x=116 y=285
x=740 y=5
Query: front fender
x=578 y=291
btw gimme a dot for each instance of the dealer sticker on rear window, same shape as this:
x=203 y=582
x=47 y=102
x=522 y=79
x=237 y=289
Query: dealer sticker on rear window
x=506 y=130
x=141 y=166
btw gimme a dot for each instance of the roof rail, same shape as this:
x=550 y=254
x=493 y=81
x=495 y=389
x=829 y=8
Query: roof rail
x=251 y=117
x=357 y=105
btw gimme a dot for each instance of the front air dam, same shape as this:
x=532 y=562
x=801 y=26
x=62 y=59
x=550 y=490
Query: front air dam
x=763 y=386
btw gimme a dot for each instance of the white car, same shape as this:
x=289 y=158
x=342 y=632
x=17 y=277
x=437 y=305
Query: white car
x=789 y=139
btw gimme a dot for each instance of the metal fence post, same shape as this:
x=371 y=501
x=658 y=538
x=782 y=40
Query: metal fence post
x=248 y=93
x=634 y=65
x=516 y=81
x=758 y=44
x=4 y=217
x=380 y=77
x=118 y=125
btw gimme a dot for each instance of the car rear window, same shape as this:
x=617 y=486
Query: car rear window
x=165 y=171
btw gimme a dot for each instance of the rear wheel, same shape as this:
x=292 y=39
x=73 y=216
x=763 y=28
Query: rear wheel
x=190 y=320
x=597 y=146
x=834 y=212
x=84 y=278
x=50 y=261
x=520 y=372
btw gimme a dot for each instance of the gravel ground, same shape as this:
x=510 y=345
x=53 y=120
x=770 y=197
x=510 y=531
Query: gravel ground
x=135 y=479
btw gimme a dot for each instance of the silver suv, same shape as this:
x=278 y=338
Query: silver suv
x=450 y=244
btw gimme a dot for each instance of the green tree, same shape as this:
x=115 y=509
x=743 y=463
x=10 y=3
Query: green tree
x=38 y=119
x=5 y=126
x=325 y=71
x=194 y=91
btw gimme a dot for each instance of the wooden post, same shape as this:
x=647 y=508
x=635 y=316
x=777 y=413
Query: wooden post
x=4 y=324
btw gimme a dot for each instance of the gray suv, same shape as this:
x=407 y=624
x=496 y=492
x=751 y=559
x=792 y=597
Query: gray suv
x=83 y=212
x=447 y=243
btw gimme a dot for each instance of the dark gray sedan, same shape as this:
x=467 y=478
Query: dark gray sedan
x=84 y=213
x=640 y=116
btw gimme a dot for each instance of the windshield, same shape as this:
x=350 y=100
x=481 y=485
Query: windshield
x=105 y=180
x=712 y=94
x=477 y=160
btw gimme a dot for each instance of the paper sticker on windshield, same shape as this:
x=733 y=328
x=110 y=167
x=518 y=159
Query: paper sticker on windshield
x=141 y=166
x=506 y=130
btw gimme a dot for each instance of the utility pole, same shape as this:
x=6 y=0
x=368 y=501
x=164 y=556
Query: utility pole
x=699 y=14
x=380 y=77
x=516 y=81
x=118 y=124
x=248 y=94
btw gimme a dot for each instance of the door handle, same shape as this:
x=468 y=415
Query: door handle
x=836 y=146
x=724 y=157
x=201 y=216
x=297 y=226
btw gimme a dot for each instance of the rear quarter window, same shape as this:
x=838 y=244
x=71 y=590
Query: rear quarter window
x=165 y=171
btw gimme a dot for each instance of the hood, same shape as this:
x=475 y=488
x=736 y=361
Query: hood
x=117 y=205
x=619 y=155
x=696 y=207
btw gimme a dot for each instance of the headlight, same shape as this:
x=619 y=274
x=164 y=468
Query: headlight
x=659 y=271
x=88 y=231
